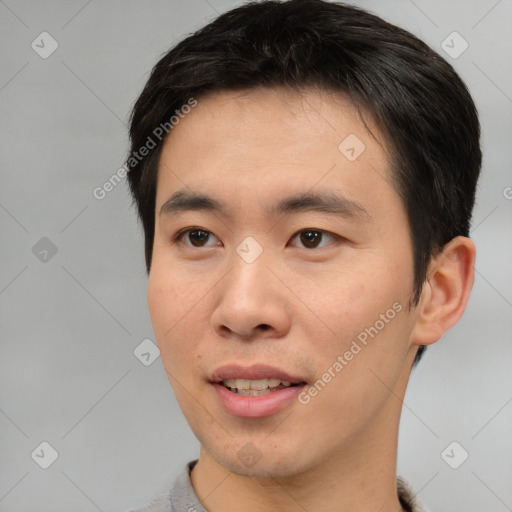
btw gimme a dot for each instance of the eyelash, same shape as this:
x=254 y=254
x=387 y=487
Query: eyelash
x=184 y=232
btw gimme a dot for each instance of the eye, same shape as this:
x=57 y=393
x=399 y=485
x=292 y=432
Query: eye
x=196 y=236
x=311 y=238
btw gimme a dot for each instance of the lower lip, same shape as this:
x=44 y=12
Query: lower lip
x=244 y=406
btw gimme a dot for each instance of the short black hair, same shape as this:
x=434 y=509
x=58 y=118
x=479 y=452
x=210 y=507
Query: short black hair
x=417 y=100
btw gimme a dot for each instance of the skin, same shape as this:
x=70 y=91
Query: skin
x=207 y=305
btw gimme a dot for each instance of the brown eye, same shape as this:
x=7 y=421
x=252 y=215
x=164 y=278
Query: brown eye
x=311 y=238
x=196 y=237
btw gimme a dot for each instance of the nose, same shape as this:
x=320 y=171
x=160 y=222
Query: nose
x=252 y=302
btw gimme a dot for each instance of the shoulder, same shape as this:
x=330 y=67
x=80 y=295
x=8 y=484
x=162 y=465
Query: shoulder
x=408 y=498
x=179 y=497
x=161 y=503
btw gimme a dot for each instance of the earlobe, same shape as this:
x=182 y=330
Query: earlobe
x=446 y=291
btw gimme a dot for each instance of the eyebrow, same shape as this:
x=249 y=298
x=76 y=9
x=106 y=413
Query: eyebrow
x=324 y=202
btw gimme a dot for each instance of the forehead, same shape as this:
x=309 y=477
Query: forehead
x=275 y=116
x=262 y=142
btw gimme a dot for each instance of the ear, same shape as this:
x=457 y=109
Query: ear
x=446 y=291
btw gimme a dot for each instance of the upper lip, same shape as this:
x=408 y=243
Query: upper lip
x=253 y=372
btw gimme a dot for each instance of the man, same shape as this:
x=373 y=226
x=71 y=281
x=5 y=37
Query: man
x=305 y=174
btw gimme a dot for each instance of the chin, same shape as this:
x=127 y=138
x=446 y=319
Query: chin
x=248 y=461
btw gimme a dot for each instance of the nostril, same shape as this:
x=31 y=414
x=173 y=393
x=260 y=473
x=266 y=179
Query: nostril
x=264 y=327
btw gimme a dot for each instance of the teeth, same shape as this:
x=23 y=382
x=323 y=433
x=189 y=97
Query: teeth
x=253 y=392
x=256 y=385
x=242 y=384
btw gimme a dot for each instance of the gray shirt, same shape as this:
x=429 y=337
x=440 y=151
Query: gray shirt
x=181 y=497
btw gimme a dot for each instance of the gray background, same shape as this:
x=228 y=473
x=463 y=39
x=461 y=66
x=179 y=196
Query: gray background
x=70 y=323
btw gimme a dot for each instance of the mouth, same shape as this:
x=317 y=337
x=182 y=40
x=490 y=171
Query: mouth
x=256 y=391
x=260 y=378
x=257 y=387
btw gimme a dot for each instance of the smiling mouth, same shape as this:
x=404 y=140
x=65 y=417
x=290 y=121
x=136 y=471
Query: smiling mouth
x=257 y=387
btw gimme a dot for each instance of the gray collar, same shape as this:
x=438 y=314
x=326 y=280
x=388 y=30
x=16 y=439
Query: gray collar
x=182 y=497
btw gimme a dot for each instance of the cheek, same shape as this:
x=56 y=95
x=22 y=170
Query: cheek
x=346 y=302
x=174 y=308
x=161 y=300
x=368 y=327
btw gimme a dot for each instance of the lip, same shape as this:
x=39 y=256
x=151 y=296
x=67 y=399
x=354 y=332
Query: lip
x=253 y=372
x=243 y=406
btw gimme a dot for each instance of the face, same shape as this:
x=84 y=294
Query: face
x=297 y=267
